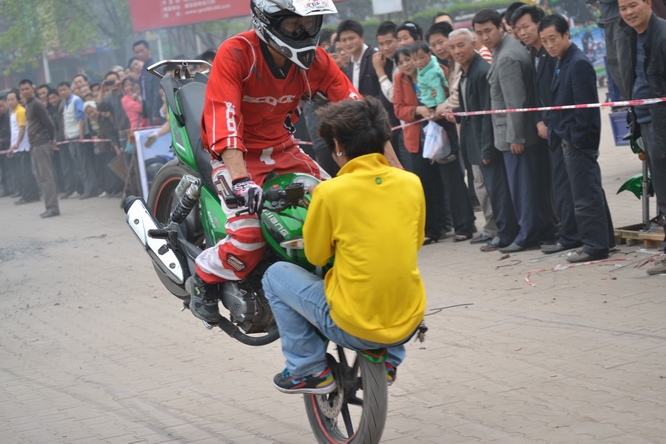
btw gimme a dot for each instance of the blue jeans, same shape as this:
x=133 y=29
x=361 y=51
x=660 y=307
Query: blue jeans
x=299 y=305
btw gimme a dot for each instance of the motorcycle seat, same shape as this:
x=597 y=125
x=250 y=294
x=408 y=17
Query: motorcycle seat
x=191 y=99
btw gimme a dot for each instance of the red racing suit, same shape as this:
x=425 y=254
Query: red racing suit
x=250 y=105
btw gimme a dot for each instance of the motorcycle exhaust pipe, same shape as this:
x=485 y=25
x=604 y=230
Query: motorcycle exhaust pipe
x=147 y=229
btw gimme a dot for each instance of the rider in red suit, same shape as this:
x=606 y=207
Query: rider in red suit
x=258 y=81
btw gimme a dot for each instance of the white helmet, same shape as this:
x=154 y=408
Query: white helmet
x=291 y=27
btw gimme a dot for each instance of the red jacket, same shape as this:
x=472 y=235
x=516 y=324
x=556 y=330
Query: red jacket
x=405 y=103
x=248 y=108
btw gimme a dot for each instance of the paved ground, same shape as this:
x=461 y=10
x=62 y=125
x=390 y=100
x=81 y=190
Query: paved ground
x=93 y=349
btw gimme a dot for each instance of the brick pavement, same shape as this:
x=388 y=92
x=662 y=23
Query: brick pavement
x=92 y=349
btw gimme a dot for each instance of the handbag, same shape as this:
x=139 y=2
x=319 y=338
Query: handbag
x=436 y=144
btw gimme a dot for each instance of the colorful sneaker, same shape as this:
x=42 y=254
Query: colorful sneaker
x=315 y=385
x=391 y=374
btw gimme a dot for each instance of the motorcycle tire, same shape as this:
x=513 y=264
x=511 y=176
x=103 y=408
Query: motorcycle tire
x=162 y=201
x=324 y=411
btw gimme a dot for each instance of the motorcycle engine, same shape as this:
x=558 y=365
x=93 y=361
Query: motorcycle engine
x=247 y=305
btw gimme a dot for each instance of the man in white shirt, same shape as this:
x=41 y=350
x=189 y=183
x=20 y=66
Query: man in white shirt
x=74 y=120
x=360 y=69
x=20 y=148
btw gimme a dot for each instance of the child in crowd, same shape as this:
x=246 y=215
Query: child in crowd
x=431 y=79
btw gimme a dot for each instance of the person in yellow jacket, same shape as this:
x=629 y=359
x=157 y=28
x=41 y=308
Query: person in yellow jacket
x=371 y=217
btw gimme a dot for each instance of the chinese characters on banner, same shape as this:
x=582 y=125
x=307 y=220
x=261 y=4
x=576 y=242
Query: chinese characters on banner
x=153 y=14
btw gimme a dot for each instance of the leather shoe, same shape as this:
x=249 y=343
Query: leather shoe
x=515 y=248
x=22 y=201
x=578 y=256
x=481 y=238
x=49 y=213
x=557 y=248
x=493 y=245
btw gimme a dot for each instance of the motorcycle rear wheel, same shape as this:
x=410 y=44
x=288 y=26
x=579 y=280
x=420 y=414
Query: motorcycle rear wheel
x=162 y=200
x=325 y=411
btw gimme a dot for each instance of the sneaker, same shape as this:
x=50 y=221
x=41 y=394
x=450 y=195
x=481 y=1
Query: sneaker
x=74 y=195
x=314 y=385
x=104 y=194
x=203 y=300
x=659 y=267
x=391 y=374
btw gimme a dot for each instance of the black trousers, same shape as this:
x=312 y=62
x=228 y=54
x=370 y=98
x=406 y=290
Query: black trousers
x=529 y=182
x=497 y=185
x=564 y=203
x=592 y=214
x=27 y=184
x=7 y=173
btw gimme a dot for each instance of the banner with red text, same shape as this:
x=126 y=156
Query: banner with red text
x=154 y=14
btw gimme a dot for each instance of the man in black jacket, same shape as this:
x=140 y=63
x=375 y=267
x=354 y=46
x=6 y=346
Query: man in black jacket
x=150 y=85
x=476 y=135
x=360 y=69
x=578 y=133
x=647 y=34
x=526 y=21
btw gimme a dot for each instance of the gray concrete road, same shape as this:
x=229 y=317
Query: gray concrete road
x=93 y=349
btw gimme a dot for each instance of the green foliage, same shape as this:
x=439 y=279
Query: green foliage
x=30 y=27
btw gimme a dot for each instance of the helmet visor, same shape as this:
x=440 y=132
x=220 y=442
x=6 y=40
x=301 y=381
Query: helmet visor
x=297 y=28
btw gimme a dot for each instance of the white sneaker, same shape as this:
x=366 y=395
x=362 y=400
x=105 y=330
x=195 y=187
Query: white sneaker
x=104 y=194
x=74 y=194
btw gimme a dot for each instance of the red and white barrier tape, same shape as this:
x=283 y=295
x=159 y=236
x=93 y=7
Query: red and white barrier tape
x=64 y=142
x=543 y=108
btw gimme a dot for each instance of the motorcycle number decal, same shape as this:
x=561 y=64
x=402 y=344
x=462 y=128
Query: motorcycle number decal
x=266 y=156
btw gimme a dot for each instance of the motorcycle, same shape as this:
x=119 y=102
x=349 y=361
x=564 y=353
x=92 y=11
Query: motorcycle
x=183 y=216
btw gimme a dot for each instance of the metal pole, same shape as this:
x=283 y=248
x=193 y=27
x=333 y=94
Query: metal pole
x=47 y=68
x=646 y=197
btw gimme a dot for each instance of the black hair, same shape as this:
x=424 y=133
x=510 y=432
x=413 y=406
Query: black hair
x=443 y=28
x=403 y=50
x=130 y=61
x=420 y=45
x=350 y=25
x=360 y=126
x=13 y=91
x=325 y=35
x=412 y=28
x=536 y=13
x=93 y=85
x=128 y=79
x=65 y=83
x=387 y=27
x=560 y=23
x=109 y=74
x=82 y=75
x=141 y=42
x=441 y=14
x=51 y=92
x=487 y=15
x=43 y=85
x=26 y=82
x=508 y=13
x=331 y=49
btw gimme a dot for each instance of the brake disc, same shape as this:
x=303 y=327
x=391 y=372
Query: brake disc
x=330 y=404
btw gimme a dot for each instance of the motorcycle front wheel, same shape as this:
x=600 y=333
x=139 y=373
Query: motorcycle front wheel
x=356 y=411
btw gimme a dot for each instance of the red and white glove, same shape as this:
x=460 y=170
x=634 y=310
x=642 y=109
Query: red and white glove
x=248 y=193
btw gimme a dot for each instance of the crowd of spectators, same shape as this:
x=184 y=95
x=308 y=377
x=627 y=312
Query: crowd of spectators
x=88 y=126
x=534 y=175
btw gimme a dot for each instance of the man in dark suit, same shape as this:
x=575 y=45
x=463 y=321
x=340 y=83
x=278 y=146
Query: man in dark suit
x=360 y=69
x=476 y=135
x=526 y=21
x=386 y=68
x=578 y=132
x=511 y=80
x=150 y=85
